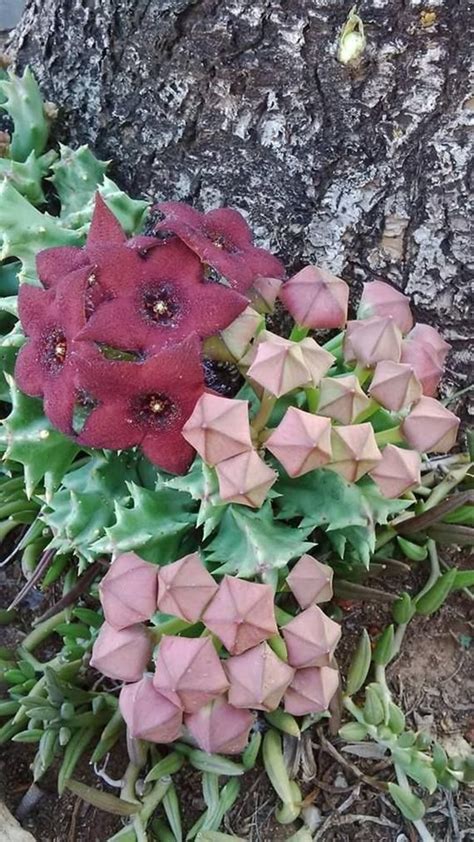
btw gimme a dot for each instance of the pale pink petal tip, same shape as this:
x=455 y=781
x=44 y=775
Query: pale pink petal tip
x=430 y=427
x=381 y=299
x=317 y=359
x=148 y=714
x=189 y=672
x=301 y=442
x=258 y=678
x=218 y=428
x=310 y=581
x=354 y=451
x=238 y=336
x=278 y=365
x=245 y=479
x=425 y=363
x=185 y=588
x=264 y=292
x=129 y=590
x=220 y=728
x=372 y=340
x=124 y=654
x=311 y=638
x=430 y=338
x=342 y=398
x=316 y=298
x=395 y=385
x=241 y=614
x=311 y=690
x=398 y=471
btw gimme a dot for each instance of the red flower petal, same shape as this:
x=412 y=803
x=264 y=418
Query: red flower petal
x=53 y=264
x=34 y=304
x=59 y=400
x=105 y=228
x=28 y=374
x=169 y=451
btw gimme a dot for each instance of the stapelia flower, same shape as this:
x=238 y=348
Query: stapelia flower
x=51 y=320
x=222 y=239
x=381 y=299
x=425 y=363
x=430 y=427
x=238 y=336
x=219 y=728
x=128 y=591
x=301 y=442
x=317 y=359
x=189 y=672
x=185 y=588
x=123 y=654
x=310 y=581
x=354 y=451
x=311 y=638
x=342 y=398
x=144 y=403
x=279 y=365
x=218 y=428
x=149 y=715
x=258 y=678
x=373 y=340
x=245 y=479
x=311 y=690
x=241 y=614
x=395 y=385
x=430 y=338
x=398 y=471
x=316 y=298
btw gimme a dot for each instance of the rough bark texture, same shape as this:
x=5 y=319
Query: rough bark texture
x=243 y=102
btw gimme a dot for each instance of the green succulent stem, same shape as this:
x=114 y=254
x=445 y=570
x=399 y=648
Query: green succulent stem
x=298 y=333
x=266 y=408
x=367 y=413
x=169 y=627
x=420 y=826
x=335 y=344
x=127 y=793
x=312 y=399
x=41 y=632
x=435 y=570
x=390 y=436
x=362 y=373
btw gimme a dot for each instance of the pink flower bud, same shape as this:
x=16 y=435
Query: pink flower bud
x=148 y=714
x=263 y=293
x=317 y=359
x=342 y=398
x=219 y=728
x=241 y=614
x=381 y=299
x=218 y=428
x=129 y=590
x=311 y=690
x=398 y=471
x=430 y=338
x=279 y=366
x=245 y=479
x=189 y=672
x=425 y=363
x=430 y=427
x=301 y=442
x=310 y=581
x=123 y=654
x=185 y=588
x=311 y=638
x=258 y=678
x=374 y=340
x=395 y=385
x=354 y=451
x=316 y=298
x=238 y=336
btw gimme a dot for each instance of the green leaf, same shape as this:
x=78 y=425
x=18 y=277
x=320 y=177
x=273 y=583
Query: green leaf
x=75 y=177
x=102 y=800
x=25 y=106
x=465 y=514
x=31 y=440
x=322 y=498
x=463 y=579
x=379 y=508
x=359 y=539
x=201 y=484
x=250 y=543
x=434 y=598
x=360 y=664
x=409 y=804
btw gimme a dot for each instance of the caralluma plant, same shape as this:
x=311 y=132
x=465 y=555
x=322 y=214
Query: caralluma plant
x=199 y=486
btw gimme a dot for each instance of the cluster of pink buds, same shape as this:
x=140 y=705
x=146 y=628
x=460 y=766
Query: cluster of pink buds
x=207 y=688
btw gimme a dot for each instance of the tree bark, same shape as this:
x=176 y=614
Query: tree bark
x=243 y=102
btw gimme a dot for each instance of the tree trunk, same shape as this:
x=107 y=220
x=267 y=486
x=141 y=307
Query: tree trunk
x=243 y=102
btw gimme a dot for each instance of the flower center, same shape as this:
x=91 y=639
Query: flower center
x=161 y=305
x=220 y=241
x=54 y=349
x=155 y=410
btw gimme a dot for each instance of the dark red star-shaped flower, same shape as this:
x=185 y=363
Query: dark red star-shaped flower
x=45 y=367
x=144 y=403
x=222 y=239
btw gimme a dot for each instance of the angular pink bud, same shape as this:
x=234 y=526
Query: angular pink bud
x=430 y=427
x=374 y=340
x=316 y=298
x=123 y=654
x=425 y=363
x=429 y=337
x=245 y=479
x=218 y=428
x=398 y=471
x=310 y=581
x=263 y=293
x=311 y=690
x=301 y=442
x=241 y=614
x=279 y=365
x=395 y=385
x=342 y=398
x=317 y=359
x=148 y=714
x=219 y=728
x=238 y=336
x=311 y=638
x=189 y=672
x=129 y=590
x=185 y=588
x=354 y=451
x=258 y=678
x=381 y=299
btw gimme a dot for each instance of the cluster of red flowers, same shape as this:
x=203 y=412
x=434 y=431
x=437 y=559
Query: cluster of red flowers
x=152 y=299
x=192 y=690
